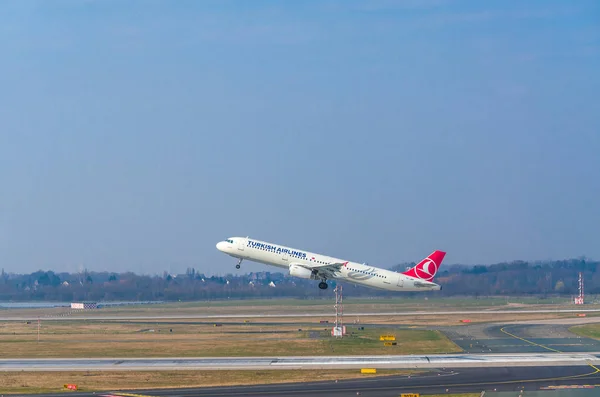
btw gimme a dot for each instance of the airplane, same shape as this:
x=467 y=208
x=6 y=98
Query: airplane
x=313 y=266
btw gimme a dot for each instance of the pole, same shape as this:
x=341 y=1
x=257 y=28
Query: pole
x=339 y=311
x=38 y=330
x=581 y=287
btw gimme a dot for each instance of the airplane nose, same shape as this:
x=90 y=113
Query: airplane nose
x=221 y=245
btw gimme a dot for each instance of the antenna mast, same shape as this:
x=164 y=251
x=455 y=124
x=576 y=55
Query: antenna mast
x=579 y=299
x=339 y=330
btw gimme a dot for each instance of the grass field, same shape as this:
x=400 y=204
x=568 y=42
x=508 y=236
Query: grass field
x=51 y=382
x=108 y=339
x=589 y=331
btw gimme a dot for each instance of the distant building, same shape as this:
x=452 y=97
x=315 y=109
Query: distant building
x=84 y=305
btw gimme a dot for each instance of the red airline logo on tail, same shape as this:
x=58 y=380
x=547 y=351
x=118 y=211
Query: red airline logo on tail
x=428 y=267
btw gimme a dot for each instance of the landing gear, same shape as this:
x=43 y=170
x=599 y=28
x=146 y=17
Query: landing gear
x=323 y=285
x=239 y=263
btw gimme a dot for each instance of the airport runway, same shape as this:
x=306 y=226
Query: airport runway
x=302 y=362
x=505 y=356
x=77 y=316
x=439 y=381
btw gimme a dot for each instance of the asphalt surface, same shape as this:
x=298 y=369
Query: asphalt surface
x=302 y=362
x=440 y=381
x=518 y=338
x=92 y=316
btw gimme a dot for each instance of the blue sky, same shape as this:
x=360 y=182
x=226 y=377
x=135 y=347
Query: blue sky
x=134 y=135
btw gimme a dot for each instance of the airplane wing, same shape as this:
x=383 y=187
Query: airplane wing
x=327 y=270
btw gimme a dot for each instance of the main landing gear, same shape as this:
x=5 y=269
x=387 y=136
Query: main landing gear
x=323 y=285
x=239 y=263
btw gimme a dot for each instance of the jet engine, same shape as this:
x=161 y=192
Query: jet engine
x=302 y=272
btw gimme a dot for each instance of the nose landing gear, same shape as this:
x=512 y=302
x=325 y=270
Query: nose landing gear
x=239 y=263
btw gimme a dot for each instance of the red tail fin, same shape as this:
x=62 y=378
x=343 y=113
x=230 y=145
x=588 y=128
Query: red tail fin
x=428 y=267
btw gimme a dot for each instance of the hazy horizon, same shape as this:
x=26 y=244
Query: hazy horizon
x=135 y=135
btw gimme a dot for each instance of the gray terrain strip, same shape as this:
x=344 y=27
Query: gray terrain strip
x=313 y=362
x=285 y=315
x=535 y=338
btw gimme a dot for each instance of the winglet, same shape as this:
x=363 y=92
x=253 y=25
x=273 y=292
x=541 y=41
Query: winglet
x=428 y=267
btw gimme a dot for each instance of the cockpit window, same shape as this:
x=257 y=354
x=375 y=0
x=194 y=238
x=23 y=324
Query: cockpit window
x=229 y=241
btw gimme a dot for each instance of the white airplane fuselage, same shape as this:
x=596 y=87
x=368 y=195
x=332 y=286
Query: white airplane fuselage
x=308 y=265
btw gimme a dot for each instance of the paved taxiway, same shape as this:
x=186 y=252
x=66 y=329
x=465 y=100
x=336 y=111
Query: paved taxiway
x=456 y=381
x=289 y=315
x=518 y=338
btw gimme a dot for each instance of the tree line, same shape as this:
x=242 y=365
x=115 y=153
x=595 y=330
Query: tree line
x=545 y=278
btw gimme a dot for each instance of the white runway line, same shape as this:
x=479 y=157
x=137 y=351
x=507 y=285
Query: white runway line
x=331 y=362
